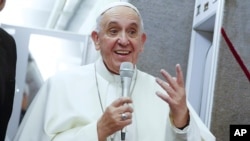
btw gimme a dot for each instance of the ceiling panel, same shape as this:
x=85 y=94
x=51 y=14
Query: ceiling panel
x=67 y=15
x=34 y=13
x=54 y=14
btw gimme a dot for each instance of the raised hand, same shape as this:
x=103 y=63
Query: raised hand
x=175 y=96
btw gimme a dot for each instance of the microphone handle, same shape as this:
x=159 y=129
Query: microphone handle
x=123 y=134
x=126 y=82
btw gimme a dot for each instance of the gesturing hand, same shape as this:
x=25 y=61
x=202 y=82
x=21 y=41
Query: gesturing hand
x=112 y=119
x=175 y=96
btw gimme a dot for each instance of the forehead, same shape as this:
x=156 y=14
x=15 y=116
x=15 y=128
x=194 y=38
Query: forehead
x=122 y=14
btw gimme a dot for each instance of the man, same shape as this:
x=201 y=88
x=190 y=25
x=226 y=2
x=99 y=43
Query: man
x=85 y=104
x=7 y=76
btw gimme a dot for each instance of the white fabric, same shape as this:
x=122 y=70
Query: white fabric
x=115 y=4
x=67 y=109
x=112 y=92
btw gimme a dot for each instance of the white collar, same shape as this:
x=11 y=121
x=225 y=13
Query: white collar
x=106 y=74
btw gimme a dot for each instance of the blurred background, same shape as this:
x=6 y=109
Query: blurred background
x=63 y=15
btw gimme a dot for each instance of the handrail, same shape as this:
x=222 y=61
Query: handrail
x=235 y=54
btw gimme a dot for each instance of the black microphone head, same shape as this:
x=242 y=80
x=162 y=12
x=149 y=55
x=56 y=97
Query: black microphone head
x=126 y=69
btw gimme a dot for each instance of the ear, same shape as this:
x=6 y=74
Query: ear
x=95 y=38
x=143 y=40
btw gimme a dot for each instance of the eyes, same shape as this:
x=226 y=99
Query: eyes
x=115 y=31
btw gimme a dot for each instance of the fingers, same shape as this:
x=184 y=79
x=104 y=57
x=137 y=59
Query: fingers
x=179 y=75
x=170 y=92
x=164 y=97
x=126 y=116
x=121 y=101
x=174 y=82
x=165 y=86
x=116 y=116
x=121 y=105
x=174 y=86
x=171 y=81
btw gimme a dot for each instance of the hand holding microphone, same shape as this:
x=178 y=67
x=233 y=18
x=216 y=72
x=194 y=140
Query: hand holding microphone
x=109 y=123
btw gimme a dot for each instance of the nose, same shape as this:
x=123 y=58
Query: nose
x=123 y=39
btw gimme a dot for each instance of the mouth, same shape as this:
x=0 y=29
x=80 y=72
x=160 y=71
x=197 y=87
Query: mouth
x=122 y=52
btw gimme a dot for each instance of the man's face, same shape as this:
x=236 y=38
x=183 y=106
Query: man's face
x=120 y=38
x=2 y=3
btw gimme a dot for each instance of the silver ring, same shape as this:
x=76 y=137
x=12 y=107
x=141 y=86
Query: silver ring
x=123 y=116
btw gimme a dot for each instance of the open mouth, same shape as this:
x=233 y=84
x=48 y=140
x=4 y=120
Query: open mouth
x=122 y=52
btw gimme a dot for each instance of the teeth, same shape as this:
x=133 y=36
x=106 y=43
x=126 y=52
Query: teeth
x=122 y=52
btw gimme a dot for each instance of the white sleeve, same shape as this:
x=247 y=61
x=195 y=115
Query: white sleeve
x=51 y=117
x=195 y=131
x=82 y=133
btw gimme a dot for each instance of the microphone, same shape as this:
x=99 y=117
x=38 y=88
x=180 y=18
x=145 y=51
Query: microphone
x=126 y=74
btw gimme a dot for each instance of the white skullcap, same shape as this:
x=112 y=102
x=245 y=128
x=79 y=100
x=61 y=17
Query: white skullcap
x=115 y=4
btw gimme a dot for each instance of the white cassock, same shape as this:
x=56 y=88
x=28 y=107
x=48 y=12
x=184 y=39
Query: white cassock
x=69 y=105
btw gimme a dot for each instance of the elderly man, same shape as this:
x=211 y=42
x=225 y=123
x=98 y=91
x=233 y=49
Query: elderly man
x=85 y=104
x=7 y=76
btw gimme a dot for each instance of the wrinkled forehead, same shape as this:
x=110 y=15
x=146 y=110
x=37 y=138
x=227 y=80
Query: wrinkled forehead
x=116 y=4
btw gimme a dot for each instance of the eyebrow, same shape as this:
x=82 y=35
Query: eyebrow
x=116 y=23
